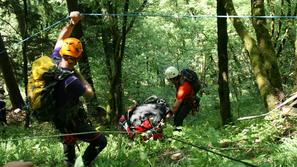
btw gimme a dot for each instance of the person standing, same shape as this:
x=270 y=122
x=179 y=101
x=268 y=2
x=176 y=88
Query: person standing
x=185 y=99
x=71 y=117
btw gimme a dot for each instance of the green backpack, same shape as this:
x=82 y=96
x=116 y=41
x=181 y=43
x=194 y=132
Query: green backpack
x=41 y=86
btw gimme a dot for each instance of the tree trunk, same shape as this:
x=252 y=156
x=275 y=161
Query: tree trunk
x=295 y=47
x=114 y=41
x=108 y=50
x=21 y=16
x=84 y=65
x=258 y=62
x=114 y=68
x=265 y=45
x=13 y=90
x=25 y=58
x=223 y=64
x=114 y=52
x=295 y=74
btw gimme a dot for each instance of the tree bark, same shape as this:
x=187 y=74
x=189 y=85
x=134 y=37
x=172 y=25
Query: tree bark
x=9 y=78
x=224 y=91
x=266 y=85
x=295 y=74
x=25 y=58
x=21 y=16
x=114 y=41
x=84 y=65
x=265 y=45
x=114 y=53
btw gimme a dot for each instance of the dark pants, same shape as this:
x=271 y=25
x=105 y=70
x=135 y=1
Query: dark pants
x=97 y=141
x=96 y=145
x=181 y=114
x=3 y=116
x=2 y=112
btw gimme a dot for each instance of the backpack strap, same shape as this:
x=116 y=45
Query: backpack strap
x=69 y=80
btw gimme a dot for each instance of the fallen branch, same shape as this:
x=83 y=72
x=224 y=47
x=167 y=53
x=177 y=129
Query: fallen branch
x=287 y=101
x=294 y=96
x=252 y=117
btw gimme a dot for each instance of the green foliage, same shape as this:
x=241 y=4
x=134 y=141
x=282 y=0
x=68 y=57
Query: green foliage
x=18 y=143
x=266 y=141
x=263 y=142
x=153 y=44
x=286 y=152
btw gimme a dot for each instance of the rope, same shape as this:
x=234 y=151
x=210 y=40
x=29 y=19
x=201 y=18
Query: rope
x=33 y=35
x=46 y=29
x=216 y=153
x=186 y=16
x=156 y=15
x=143 y=15
x=123 y=132
x=60 y=135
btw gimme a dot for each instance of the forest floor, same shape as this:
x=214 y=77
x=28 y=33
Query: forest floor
x=263 y=141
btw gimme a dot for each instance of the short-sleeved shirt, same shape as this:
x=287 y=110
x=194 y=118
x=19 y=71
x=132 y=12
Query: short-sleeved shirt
x=56 y=55
x=185 y=92
x=67 y=91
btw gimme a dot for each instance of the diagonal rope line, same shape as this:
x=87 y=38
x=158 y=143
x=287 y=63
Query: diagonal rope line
x=33 y=35
x=216 y=153
x=122 y=132
x=156 y=15
x=46 y=29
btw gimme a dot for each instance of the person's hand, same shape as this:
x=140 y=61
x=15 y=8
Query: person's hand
x=169 y=114
x=74 y=17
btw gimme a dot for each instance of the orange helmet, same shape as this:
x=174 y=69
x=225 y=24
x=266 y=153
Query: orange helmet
x=71 y=47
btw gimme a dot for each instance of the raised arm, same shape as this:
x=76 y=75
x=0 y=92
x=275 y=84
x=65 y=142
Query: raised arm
x=67 y=30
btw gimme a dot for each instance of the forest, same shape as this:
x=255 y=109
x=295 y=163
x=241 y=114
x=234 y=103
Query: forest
x=244 y=52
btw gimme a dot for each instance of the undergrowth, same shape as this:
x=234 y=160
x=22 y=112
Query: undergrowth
x=262 y=142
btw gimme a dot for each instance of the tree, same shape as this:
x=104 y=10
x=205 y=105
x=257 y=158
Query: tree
x=223 y=64
x=114 y=40
x=13 y=90
x=84 y=62
x=25 y=35
x=295 y=85
x=261 y=53
x=21 y=16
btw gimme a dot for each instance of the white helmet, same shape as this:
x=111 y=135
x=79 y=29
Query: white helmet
x=171 y=72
